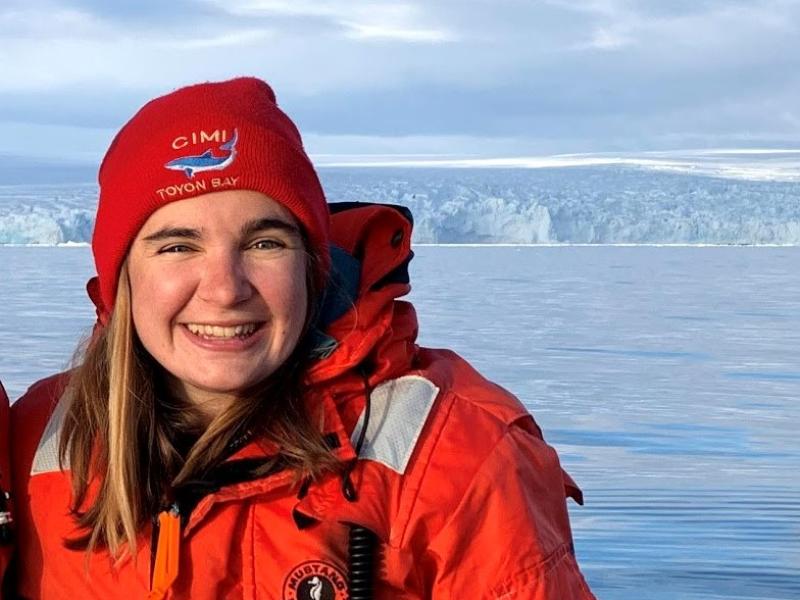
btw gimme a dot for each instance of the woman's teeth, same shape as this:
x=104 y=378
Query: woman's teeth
x=215 y=331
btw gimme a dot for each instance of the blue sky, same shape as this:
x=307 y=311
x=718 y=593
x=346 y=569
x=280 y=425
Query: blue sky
x=437 y=77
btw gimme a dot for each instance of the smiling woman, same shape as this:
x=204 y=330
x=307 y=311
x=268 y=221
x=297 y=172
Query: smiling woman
x=229 y=270
x=252 y=417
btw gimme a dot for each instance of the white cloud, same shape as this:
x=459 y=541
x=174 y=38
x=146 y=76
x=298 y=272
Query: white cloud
x=333 y=9
x=607 y=39
x=698 y=31
x=604 y=8
x=576 y=72
x=232 y=38
x=122 y=61
x=391 y=21
x=361 y=31
x=46 y=48
x=47 y=23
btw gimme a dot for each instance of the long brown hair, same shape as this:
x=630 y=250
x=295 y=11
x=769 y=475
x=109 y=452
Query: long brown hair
x=125 y=434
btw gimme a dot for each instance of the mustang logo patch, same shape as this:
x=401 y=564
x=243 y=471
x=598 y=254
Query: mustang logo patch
x=315 y=580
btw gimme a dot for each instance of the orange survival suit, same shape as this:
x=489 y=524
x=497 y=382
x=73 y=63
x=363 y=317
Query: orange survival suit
x=453 y=477
x=6 y=520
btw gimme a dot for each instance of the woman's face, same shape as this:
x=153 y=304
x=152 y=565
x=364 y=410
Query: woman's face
x=218 y=290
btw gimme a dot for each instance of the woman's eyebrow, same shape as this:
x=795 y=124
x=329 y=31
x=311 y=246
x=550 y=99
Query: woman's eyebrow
x=257 y=225
x=173 y=232
x=248 y=228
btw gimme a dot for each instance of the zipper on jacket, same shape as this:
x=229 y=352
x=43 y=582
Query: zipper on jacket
x=166 y=561
x=167 y=525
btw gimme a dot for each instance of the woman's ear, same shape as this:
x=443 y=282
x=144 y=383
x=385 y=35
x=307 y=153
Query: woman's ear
x=93 y=289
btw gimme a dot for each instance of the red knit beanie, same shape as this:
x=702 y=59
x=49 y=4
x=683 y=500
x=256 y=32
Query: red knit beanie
x=199 y=139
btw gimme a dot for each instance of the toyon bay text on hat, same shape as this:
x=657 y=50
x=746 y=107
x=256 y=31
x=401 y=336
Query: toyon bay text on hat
x=199 y=139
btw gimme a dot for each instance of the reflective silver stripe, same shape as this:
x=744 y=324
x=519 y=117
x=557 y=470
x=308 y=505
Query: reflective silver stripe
x=399 y=409
x=46 y=458
x=398 y=412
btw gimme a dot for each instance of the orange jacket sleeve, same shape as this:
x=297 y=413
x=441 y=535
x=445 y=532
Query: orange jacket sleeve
x=509 y=536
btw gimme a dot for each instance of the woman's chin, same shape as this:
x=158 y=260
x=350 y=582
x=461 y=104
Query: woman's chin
x=208 y=385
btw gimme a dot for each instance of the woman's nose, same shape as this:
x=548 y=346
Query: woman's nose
x=225 y=281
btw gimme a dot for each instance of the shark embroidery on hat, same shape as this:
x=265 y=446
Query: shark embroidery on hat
x=206 y=161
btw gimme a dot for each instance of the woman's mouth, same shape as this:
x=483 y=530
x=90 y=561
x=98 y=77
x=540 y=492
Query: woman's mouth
x=223 y=332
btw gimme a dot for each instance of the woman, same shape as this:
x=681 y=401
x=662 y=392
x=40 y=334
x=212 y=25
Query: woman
x=252 y=417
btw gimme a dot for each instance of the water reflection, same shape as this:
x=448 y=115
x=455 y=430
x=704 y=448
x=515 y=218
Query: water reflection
x=672 y=399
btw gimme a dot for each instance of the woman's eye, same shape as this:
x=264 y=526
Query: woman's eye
x=174 y=249
x=267 y=245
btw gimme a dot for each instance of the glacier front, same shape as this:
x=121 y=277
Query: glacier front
x=601 y=204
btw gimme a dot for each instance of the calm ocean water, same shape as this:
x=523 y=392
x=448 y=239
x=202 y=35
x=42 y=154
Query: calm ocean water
x=668 y=379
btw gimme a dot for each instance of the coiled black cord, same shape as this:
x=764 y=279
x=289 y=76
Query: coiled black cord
x=361 y=546
x=6 y=521
x=361 y=542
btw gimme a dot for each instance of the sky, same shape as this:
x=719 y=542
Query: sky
x=416 y=78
